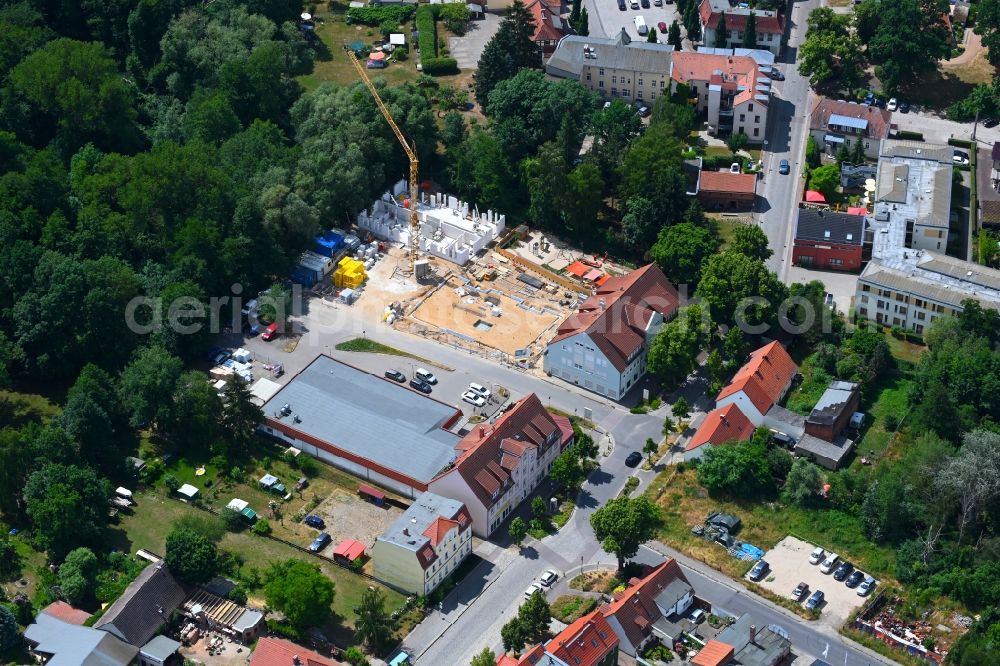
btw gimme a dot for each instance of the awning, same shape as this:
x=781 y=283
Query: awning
x=368 y=491
x=813 y=196
x=376 y=55
x=577 y=268
x=833 y=138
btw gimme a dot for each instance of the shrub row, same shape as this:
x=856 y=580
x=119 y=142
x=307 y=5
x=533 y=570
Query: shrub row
x=959 y=143
x=910 y=136
x=438 y=66
x=431 y=64
x=376 y=15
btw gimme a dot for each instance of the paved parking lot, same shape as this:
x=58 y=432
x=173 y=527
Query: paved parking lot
x=467 y=48
x=607 y=20
x=842 y=285
x=937 y=129
x=789 y=561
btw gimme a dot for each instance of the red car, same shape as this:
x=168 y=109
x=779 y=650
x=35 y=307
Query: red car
x=271 y=332
x=662 y=27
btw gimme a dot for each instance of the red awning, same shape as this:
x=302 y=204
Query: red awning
x=592 y=275
x=601 y=280
x=577 y=268
x=857 y=210
x=813 y=196
x=349 y=549
x=367 y=490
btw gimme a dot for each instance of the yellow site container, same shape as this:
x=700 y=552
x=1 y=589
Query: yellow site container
x=350 y=274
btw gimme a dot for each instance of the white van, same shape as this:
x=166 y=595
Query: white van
x=426 y=375
x=830 y=563
x=640 y=26
x=480 y=389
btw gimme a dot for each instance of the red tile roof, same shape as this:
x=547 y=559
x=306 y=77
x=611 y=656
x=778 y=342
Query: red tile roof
x=349 y=549
x=764 y=377
x=616 y=315
x=723 y=181
x=437 y=530
x=279 y=652
x=585 y=642
x=879 y=120
x=63 y=611
x=549 y=25
x=715 y=653
x=635 y=608
x=486 y=455
x=721 y=425
x=739 y=74
x=738 y=22
x=529 y=658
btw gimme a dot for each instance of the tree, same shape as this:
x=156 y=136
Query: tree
x=715 y=369
x=373 y=626
x=513 y=635
x=567 y=470
x=721 y=33
x=681 y=409
x=454 y=132
x=681 y=249
x=77 y=575
x=652 y=168
x=812 y=153
x=692 y=22
x=651 y=36
x=750 y=32
x=538 y=508
x=508 y=51
x=731 y=282
x=738 y=469
x=973 y=476
x=825 y=179
x=191 y=557
x=68 y=507
x=910 y=38
x=484 y=658
x=517 y=530
x=674 y=36
x=240 y=416
x=355 y=657
x=735 y=346
x=614 y=127
x=300 y=591
x=803 y=484
x=9 y=638
x=535 y=617
x=668 y=425
x=751 y=240
x=649 y=448
x=987 y=25
x=674 y=351
x=639 y=224
x=583 y=26
x=147 y=386
x=737 y=142
x=624 y=524
x=831 y=55
x=10 y=559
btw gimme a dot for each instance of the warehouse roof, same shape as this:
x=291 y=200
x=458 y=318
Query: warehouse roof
x=367 y=417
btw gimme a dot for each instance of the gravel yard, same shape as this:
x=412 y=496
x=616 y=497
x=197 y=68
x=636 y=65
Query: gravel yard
x=347 y=516
x=789 y=561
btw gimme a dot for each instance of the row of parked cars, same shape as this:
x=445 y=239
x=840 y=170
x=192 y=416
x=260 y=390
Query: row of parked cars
x=543 y=583
x=843 y=571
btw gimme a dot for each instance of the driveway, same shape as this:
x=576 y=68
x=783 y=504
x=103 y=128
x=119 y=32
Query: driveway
x=606 y=20
x=467 y=48
x=842 y=285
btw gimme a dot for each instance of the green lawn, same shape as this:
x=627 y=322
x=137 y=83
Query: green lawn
x=372 y=347
x=18 y=409
x=727 y=231
x=154 y=516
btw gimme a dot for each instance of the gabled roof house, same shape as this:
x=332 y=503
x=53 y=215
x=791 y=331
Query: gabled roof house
x=590 y=641
x=144 y=607
x=635 y=612
x=602 y=346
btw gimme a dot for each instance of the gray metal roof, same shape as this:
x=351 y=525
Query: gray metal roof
x=569 y=58
x=248 y=620
x=72 y=645
x=766 y=648
x=160 y=648
x=145 y=606
x=672 y=593
x=833 y=402
x=830 y=226
x=907 y=275
x=914 y=183
x=917 y=150
x=835 y=451
x=424 y=510
x=847 y=121
x=369 y=416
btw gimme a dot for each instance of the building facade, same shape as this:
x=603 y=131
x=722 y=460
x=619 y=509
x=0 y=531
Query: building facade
x=424 y=545
x=551 y=23
x=602 y=347
x=761 y=383
x=829 y=239
x=722 y=190
x=834 y=123
x=770 y=26
x=732 y=92
x=635 y=612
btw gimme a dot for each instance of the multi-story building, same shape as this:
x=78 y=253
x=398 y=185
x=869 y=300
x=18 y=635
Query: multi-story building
x=914 y=189
x=834 y=123
x=637 y=613
x=732 y=91
x=614 y=67
x=602 y=347
x=551 y=23
x=829 y=239
x=500 y=463
x=770 y=25
x=589 y=641
x=761 y=383
x=424 y=545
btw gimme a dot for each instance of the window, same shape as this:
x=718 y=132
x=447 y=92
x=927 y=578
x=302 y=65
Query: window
x=743 y=117
x=919 y=329
x=750 y=108
x=756 y=131
x=652 y=96
x=588 y=76
x=626 y=92
x=601 y=71
x=919 y=302
x=921 y=316
x=756 y=119
x=836 y=262
x=661 y=83
x=640 y=83
x=864 y=299
x=600 y=84
x=614 y=79
x=865 y=288
x=863 y=311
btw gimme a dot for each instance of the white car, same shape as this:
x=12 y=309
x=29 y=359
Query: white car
x=534 y=587
x=830 y=563
x=893 y=104
x=473 y=398
x=734 y=167
x=480 y=390
x=817 y=556
x=547 y=578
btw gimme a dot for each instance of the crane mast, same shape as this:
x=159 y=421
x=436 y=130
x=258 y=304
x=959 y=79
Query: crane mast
x=410 y=150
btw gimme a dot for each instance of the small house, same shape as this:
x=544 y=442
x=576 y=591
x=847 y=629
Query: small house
x=349 y=551
x=187 y=491
x=273 y=484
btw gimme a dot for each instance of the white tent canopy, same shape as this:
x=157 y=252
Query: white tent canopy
x=237 y=504
x=188 y=491
x=123 y=492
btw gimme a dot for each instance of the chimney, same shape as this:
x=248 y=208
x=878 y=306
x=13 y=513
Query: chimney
x=296 y=660
x=753 y=634
x=406 y=531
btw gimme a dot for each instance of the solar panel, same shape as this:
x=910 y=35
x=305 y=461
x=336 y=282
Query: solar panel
x=848 y=121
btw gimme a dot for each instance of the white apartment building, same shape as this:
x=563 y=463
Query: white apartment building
x=424 y=545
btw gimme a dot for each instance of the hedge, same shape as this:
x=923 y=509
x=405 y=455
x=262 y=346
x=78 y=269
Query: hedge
x=430 y=63
x=911 y=136
x=439 y=66
x=959 y=143
x=376 y=15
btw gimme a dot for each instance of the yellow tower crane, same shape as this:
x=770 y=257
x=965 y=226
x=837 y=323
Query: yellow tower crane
x=410 y=150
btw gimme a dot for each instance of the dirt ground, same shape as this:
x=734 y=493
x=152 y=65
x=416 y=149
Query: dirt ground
x=789 y=561
x=232 y=654
x=453 y=307
x=347 y=516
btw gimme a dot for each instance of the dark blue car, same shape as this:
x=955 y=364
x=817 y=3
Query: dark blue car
x=320 y=542
x=314 y=521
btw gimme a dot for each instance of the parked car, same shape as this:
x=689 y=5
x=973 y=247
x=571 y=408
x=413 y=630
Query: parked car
x=814 y=600
x=735 y=167
x=314 y=521
x=473 y=398
x=697 y=615
x=800 y=591
x=854 y=579
x=621 y=5
x=658 y=3
x=776 y=74
x=376 y=64
x=960 y=158
x=991 y=122
x=213 y=352
x=421 y=385
x=784 y=168
x=271 y=332
x=829 y=563
x=395 y=375
x=867 y=585
x=320 y=542
x=633 y=459
x=843 y=571
x=548 y=578
x=817 y=556
x=644 y=3
x=893 y=104
x=534 y=587
x=480 y=389
x=425 y=375
x=759 y=570
x=643 y=110
x=904 y=107
x=221 y=357
x=870 y=98
x=662 y=27
x=634 y=4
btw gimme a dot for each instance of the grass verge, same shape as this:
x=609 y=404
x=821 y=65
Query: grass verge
x=569 y=608
x=372 y=347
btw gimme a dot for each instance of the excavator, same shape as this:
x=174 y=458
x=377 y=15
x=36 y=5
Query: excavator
x=409 y=148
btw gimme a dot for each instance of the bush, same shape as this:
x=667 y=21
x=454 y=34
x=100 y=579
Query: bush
x=261 y=527
x=238 y=595
x=959 y=143
x=376 y=16
x=909 y=136
x=233 y=520
x=439 y=66
x=891 y=422
x=308 y=465
x=388 y=27
x=630 y=485
x=171 y=482
x=400 y=53
x=285 y=630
